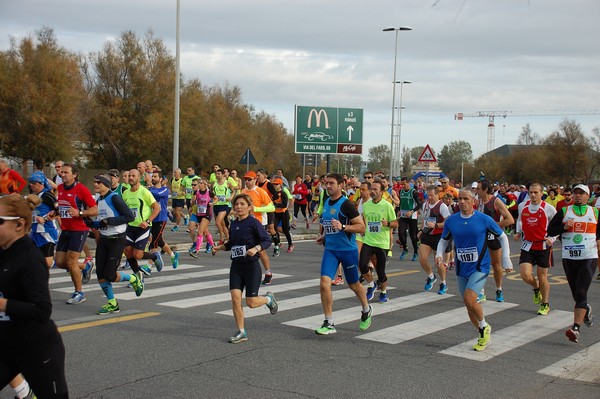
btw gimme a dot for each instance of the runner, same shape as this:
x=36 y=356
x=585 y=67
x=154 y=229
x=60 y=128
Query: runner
x=578 y=226
x=223 y=193
x=31 y=342
x=145 y=209
x=536 y=248
x=410 y=203
x=301 y=195
x=340 y=222
x=261 y=204
x=11 y=182
x=186 y=183
x=43 y=230
x=115 y=185
x=282 y=216
x=161 y=194
x=435 y=212
x=111 y=223
x=200 y=217
x=470 y=230
x=248 y=238
x=497 y=210
x=380 y=219
x=178 y=197
x=73 y=198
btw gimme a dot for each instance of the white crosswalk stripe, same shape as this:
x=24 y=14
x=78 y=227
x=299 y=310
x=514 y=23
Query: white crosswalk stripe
x=427 y=325
x=580 y=366
x=514 y=336
x=353 y=314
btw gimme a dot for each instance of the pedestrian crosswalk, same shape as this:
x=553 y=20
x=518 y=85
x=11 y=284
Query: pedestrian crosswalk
x=193 y=286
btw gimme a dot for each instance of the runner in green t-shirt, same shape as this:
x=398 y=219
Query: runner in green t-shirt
x=186 y=183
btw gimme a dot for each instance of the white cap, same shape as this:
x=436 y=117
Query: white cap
x=474 y=184
x=582 y=187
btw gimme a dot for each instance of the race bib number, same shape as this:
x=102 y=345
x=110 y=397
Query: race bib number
x=404 y=214
x=3 y=316
x=574 y=251
x=327 y=227
x=63 y=211
x=374 y=227
x=221 y=198
x=467 y=255
x=430 y=220
x=238 y=251
x=135 y=212
x=297 y=196
x=201 y=210
x=188 y=191
x=526 y=245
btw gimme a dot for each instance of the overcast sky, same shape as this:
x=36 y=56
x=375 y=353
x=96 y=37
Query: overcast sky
x=461 y=56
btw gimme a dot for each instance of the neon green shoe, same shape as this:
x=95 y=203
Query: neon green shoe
x=326 y=329
x=365 y=319
x=108 y=309
x=544 y=309
x=537 y=296
x=138 y=285
x=484 y=338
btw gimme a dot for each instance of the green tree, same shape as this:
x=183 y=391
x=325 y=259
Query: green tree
x=453 y=155
x=379 y=158
x=41 y=90
x=407 y=163
x=569 y=153
x=415 y=153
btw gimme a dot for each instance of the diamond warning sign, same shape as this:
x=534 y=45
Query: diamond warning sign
x=427 y=155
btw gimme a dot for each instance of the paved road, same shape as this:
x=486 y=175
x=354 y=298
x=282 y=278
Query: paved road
x=172 y=341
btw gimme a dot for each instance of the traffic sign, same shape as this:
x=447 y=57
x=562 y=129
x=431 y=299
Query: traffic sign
x=328 y=130
x=427 y=155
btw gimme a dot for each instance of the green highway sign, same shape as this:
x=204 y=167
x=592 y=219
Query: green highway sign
x=328 y=130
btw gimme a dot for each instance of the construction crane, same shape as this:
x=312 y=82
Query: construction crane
x=491 y=132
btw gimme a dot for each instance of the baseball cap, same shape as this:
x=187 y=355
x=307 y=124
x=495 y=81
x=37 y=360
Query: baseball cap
x=114 y=172
x=582 y=187
x=277 y=181
x=250 y=175
x=474 y=184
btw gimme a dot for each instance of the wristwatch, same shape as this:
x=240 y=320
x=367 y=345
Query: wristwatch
x=80 y=214
x=343 y=227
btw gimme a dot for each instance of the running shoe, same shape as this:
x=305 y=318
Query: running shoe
x=175 y=228
x=429 y=283
x=337 y=281
x=403 y=254
x=588 y=319
x=383 y=297
x=481 y=298
x=414 y=257
x=76 y=297
x=239 y=337
x=208 y=248
x=86 y=273
x=443 y=288
x=544 y=309
x=307 y=224
x=175 y=260
x=138 y=285
x=159 y=263
x=186 y=220
x=146 y=269
x=326 y=329
x=451 y=265
x=484 y=338
x=290 y=249
x=499 y=296
x=273 y=307
x=126 y=265
x=365 y=319
x=268 y=278
x=371 y=292
x=573 y=335
x=293 y=226
x=221 y=242
x=108 y=309
x=537 y=296
x=276 y=251
x=192 y=251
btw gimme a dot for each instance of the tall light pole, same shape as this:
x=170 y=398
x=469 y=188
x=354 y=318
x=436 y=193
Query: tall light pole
x=394 y=29
x=176 y=116
x=398 y=139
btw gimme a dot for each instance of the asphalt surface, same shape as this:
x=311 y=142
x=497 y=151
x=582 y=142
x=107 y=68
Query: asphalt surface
x=172 y=341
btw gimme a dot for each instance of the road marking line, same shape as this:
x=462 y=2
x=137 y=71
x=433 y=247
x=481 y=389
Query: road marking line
x=427 y=325
x=352 y=314
x=580 y=366
x=102 y=322
x=514 y=336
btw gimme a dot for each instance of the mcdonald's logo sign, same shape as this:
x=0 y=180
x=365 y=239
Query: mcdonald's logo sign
x=318 y=114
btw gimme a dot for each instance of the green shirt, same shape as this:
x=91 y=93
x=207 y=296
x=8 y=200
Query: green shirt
x=377 y=235
x=140 y=202
x=186 y=183
x=222 y=193
x=177 y=189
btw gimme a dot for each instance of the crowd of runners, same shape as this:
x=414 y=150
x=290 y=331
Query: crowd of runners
x=359 y=219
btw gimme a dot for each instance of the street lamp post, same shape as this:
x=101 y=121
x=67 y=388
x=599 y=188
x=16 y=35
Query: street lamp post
x=398 y=139
x=394 y=29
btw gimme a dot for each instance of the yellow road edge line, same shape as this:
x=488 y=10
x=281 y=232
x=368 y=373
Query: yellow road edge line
x=120 y=319
x=402 y=273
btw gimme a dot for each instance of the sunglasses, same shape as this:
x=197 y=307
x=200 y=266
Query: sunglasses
x=96 y=182
x=5 y=218
x=248 y=178
x=194 y=184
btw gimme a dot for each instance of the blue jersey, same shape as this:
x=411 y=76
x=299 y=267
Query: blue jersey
x=44 y=233
x=337 y=240
x=470 y=236
x=161 y=194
